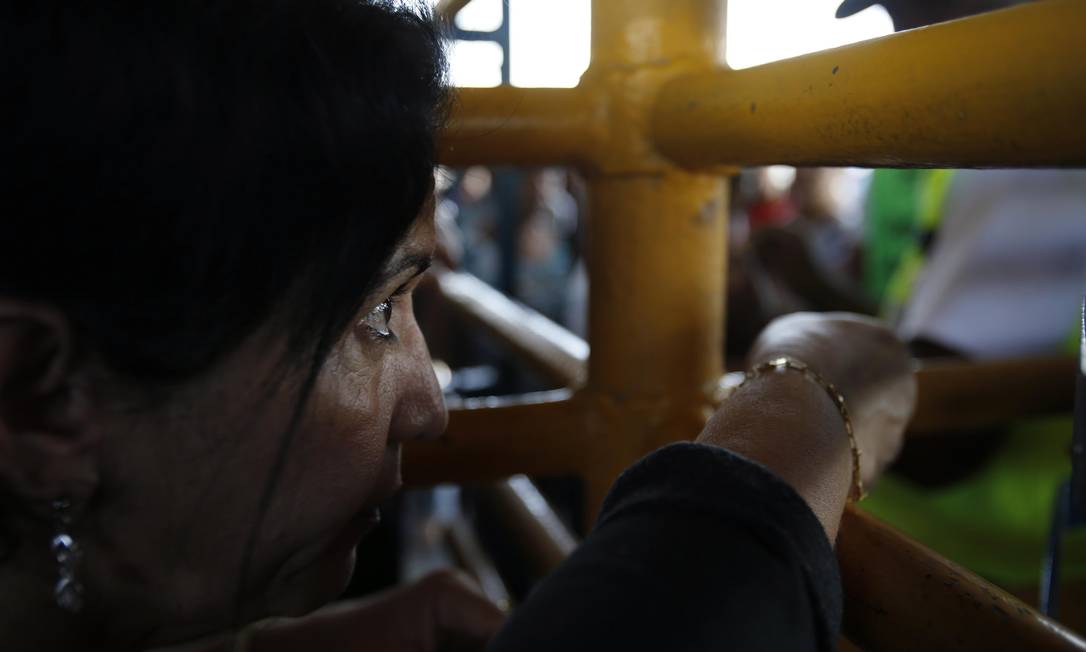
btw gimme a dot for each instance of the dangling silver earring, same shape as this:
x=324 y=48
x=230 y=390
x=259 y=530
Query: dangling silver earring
x=68 y=591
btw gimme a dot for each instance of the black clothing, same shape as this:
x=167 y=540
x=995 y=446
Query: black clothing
x=696 y=548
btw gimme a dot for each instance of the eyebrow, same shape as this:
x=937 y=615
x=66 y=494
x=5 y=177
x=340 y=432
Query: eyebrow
x=419 y=262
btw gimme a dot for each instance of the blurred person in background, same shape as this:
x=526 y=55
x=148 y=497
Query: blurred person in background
x=545 y=252
x=477 y=213
x=790 y=248
x=811 y=255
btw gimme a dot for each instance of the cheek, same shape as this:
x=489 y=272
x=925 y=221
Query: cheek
x=337 y=462
x=346 y=434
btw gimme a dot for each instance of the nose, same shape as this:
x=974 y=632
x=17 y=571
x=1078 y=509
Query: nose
x=420 y=409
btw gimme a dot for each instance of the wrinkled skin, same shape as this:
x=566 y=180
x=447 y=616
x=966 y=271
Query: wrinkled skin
x=165 y=491
x=865 y=361
x=788 y=423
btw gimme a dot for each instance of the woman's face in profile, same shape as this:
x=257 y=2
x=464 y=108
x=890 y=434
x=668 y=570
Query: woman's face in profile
x=182 y=483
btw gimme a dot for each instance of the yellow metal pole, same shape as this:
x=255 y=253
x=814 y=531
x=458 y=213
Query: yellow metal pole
x=1003 y=89
x=661 y=33
x=656 y=265
x=657 y=233
x=537 y=530
x=522 y=126
x=902 y=597
x=490 y=439
x=656 y=242
x=954 y=395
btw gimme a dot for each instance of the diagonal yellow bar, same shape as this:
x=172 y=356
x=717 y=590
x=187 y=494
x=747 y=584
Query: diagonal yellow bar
x=1004 y=89
x=552 y=350
x=902 y=597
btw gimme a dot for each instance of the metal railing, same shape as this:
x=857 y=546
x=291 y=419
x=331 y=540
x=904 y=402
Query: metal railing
x=655 y=123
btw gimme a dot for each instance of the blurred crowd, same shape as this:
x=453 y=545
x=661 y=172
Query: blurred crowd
x=966 y=264
x=969 y=265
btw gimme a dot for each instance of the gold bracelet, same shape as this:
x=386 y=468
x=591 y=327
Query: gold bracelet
x=785 y=362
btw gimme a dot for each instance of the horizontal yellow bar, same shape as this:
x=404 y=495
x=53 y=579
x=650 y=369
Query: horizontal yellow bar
x=957 y=395
x=491 y=439
x=550 y=433
x=520 y=126
x=971 y=395
x=1003 y=89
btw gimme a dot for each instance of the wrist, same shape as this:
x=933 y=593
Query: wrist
x=790 y=425
x=788 y=364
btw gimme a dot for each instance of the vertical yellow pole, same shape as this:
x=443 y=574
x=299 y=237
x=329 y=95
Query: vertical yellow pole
x=657 y=273
x=656 y=239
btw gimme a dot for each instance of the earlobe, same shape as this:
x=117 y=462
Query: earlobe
x=46 y=445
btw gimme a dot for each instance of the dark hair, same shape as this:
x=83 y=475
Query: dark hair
x=178 y=171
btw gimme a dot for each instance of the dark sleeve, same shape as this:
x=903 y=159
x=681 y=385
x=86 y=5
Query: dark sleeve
x=696 y=548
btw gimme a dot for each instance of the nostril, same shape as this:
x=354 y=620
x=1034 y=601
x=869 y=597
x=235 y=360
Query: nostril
x=422 y=420
x=434 y=388
x=420 y=411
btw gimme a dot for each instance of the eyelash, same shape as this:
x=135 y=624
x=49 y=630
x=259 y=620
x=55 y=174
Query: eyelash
x=379 y=320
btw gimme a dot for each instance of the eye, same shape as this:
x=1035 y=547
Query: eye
x=379 y=320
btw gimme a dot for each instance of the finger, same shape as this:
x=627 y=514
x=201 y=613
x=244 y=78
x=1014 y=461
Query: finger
x=463 y=618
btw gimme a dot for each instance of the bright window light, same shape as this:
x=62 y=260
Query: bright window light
x=780 y=177
x=475 y=63
x=480 y=16
x=760 y=31
x=550 y=41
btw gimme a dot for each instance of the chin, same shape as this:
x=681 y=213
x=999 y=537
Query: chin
x=319 y=574
x=314 y=586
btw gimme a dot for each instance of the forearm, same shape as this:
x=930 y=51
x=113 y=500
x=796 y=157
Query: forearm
x=788 y=424
x=696 y=549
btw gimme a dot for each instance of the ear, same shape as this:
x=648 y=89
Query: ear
x=47 y=448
